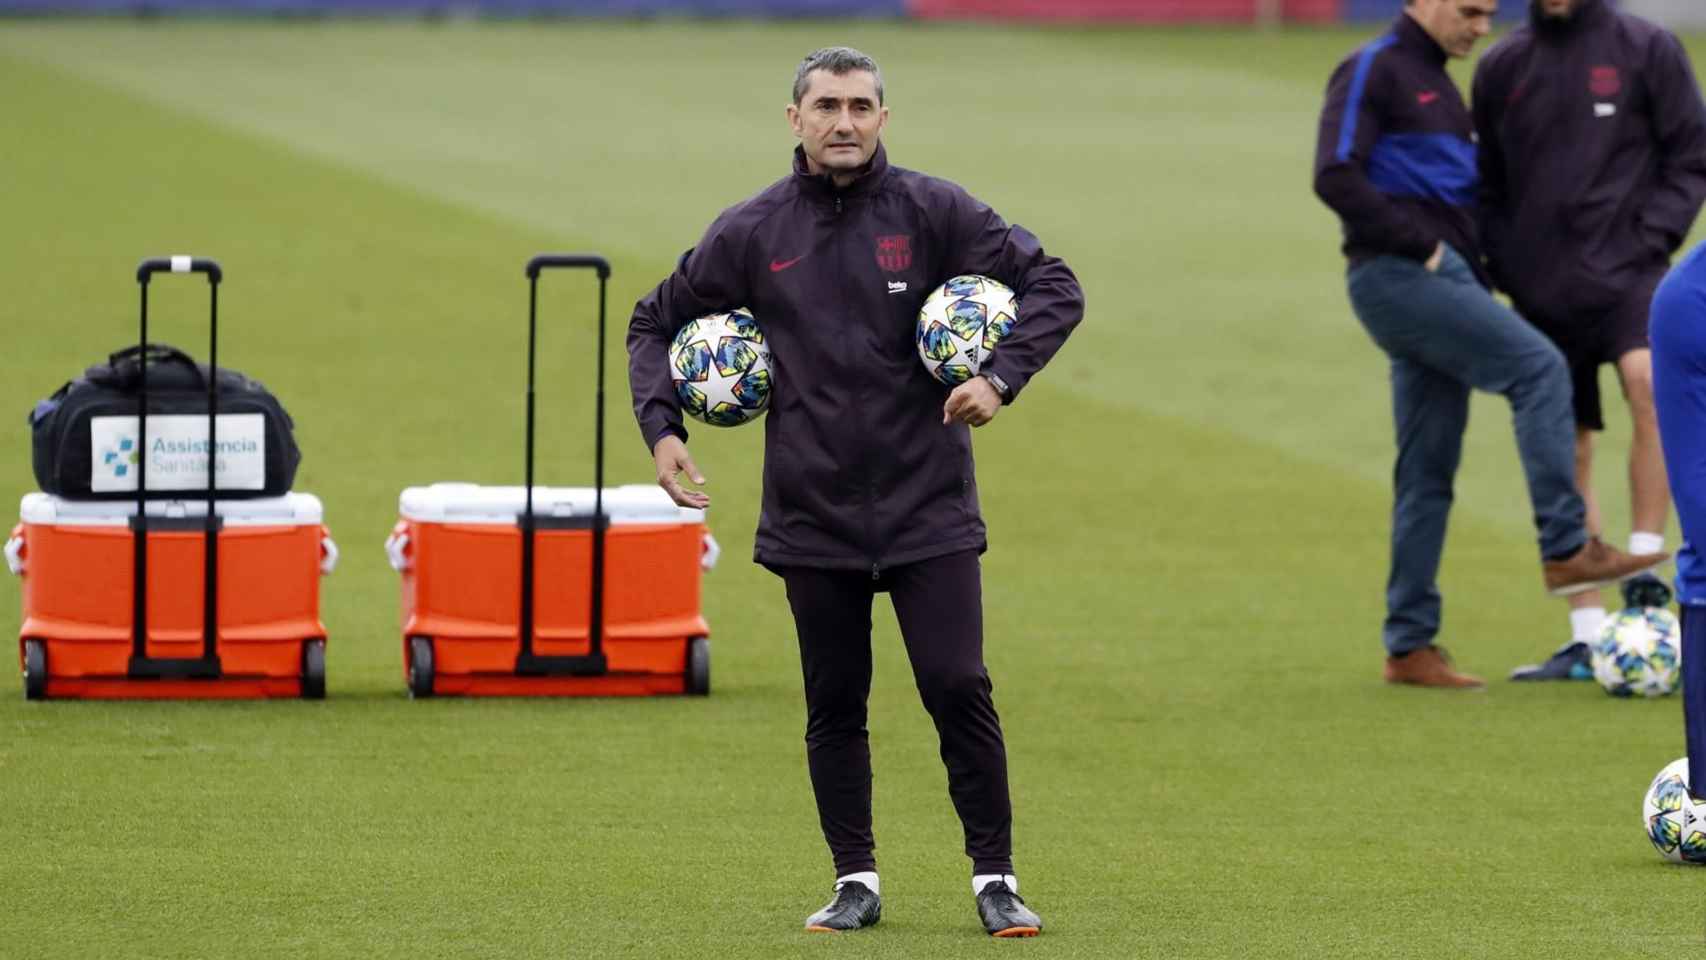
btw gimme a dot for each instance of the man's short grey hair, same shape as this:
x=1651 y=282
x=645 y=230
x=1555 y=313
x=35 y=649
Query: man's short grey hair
x=838 y=61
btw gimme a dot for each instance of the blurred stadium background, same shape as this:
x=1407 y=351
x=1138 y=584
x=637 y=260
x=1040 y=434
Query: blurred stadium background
x=1266 y=12
x=1188 y=510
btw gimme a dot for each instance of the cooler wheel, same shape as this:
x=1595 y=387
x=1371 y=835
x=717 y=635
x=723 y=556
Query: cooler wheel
x=314 y=670
x=35 y=670
x=420 y=667
x=698 y=666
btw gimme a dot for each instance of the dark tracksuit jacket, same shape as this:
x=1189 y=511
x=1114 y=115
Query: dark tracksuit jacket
x=1395 y=157
x=859 y=472
x=1593 y=158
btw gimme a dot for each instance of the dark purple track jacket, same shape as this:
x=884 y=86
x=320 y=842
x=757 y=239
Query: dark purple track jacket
x=1593 y=158
x=859 y=471
x=1395 y=150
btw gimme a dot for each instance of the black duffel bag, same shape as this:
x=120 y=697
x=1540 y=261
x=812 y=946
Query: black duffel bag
x=65 y=459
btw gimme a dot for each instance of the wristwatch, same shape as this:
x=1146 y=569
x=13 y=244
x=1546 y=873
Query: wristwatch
x=1000 y=385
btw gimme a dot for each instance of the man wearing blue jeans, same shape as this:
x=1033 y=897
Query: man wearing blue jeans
x=1396 y=161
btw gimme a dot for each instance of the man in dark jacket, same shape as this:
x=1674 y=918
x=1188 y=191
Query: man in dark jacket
x=1593 y=166
x=868 y=481
x=1396 y=161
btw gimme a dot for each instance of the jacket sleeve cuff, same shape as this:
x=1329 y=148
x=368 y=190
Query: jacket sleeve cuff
x=1014 y=379
x=656 y=434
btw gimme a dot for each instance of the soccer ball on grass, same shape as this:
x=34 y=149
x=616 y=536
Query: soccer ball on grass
x=1638 y=653
x=1674 y=821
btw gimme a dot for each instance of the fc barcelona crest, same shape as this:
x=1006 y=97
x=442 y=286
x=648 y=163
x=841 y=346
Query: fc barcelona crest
x=1605 y=81
x=894 y=252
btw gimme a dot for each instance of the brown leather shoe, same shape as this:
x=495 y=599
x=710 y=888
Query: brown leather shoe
x=1429 y=667
x=1595 y=565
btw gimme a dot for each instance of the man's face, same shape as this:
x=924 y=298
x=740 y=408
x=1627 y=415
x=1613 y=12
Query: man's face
x=1556 y=8
x=838 y=121
x=1456 y=25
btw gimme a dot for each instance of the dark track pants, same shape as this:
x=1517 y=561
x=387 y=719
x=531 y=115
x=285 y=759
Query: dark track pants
x=1694 y=695
x=939 y=603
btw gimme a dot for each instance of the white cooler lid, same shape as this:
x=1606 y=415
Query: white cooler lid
x=292 y=509
x=472 y=503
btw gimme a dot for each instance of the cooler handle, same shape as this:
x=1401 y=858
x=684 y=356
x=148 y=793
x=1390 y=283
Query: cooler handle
x=397 y=548
x=15 y=551
x=328 y=552
x=709 y=552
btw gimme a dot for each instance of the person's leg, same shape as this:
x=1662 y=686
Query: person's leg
x=1694 y=695
x=1587 y=600
x=1586 y=347
x=1450 y=324
x=1580 y=346
x=1587 y=609
x=1627 y=345
x=1649 y=490
x=1430 y=411
x=1401 y=305
x=939 y=603
x=832 y=616
x=1584 y=478
x=1678 y=359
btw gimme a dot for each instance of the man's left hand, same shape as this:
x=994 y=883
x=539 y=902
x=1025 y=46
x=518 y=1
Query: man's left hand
x=974 y=402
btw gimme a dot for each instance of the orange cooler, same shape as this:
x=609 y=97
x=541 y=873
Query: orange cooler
x=77 y=562
x=459 y=549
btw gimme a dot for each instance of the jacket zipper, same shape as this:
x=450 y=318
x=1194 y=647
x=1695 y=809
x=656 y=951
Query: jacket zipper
x=876 y=573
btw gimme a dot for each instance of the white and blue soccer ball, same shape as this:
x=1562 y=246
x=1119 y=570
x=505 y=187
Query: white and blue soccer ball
x=1674 y=821
x=960 y=325
x=721 y=368
x=1638 y=653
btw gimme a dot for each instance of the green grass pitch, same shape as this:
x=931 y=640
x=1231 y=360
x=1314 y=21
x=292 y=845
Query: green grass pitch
x=1187 y=512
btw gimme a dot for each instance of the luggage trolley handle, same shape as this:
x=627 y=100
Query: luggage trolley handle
x=146 y=351
x=141 y=665
x=594 y=662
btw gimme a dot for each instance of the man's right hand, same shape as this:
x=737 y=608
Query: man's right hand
x=1434 y=261
x=672 y=460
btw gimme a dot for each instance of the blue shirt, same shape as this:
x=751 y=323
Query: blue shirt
x=1678 y=331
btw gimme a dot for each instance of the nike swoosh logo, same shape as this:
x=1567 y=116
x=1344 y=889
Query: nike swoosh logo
x=777 y=266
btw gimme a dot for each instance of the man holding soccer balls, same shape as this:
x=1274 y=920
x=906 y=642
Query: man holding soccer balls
x=868 y=476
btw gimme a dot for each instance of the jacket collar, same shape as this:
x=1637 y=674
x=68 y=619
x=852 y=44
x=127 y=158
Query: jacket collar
x=1586 y=13
x=820 y=185
x=1412 y=37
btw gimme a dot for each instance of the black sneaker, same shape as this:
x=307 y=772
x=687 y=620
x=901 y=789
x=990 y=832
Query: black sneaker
x=1004 y=914
x=1571 y=662
x=1645 y=590
x=854 y=906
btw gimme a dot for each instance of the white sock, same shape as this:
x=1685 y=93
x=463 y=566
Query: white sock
x=981 y=880
x=868 y=878
x=1585 y=624
x=1642 y=541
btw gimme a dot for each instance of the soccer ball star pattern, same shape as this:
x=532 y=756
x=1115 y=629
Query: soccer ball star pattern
x=960 y=325
x=721 y=368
